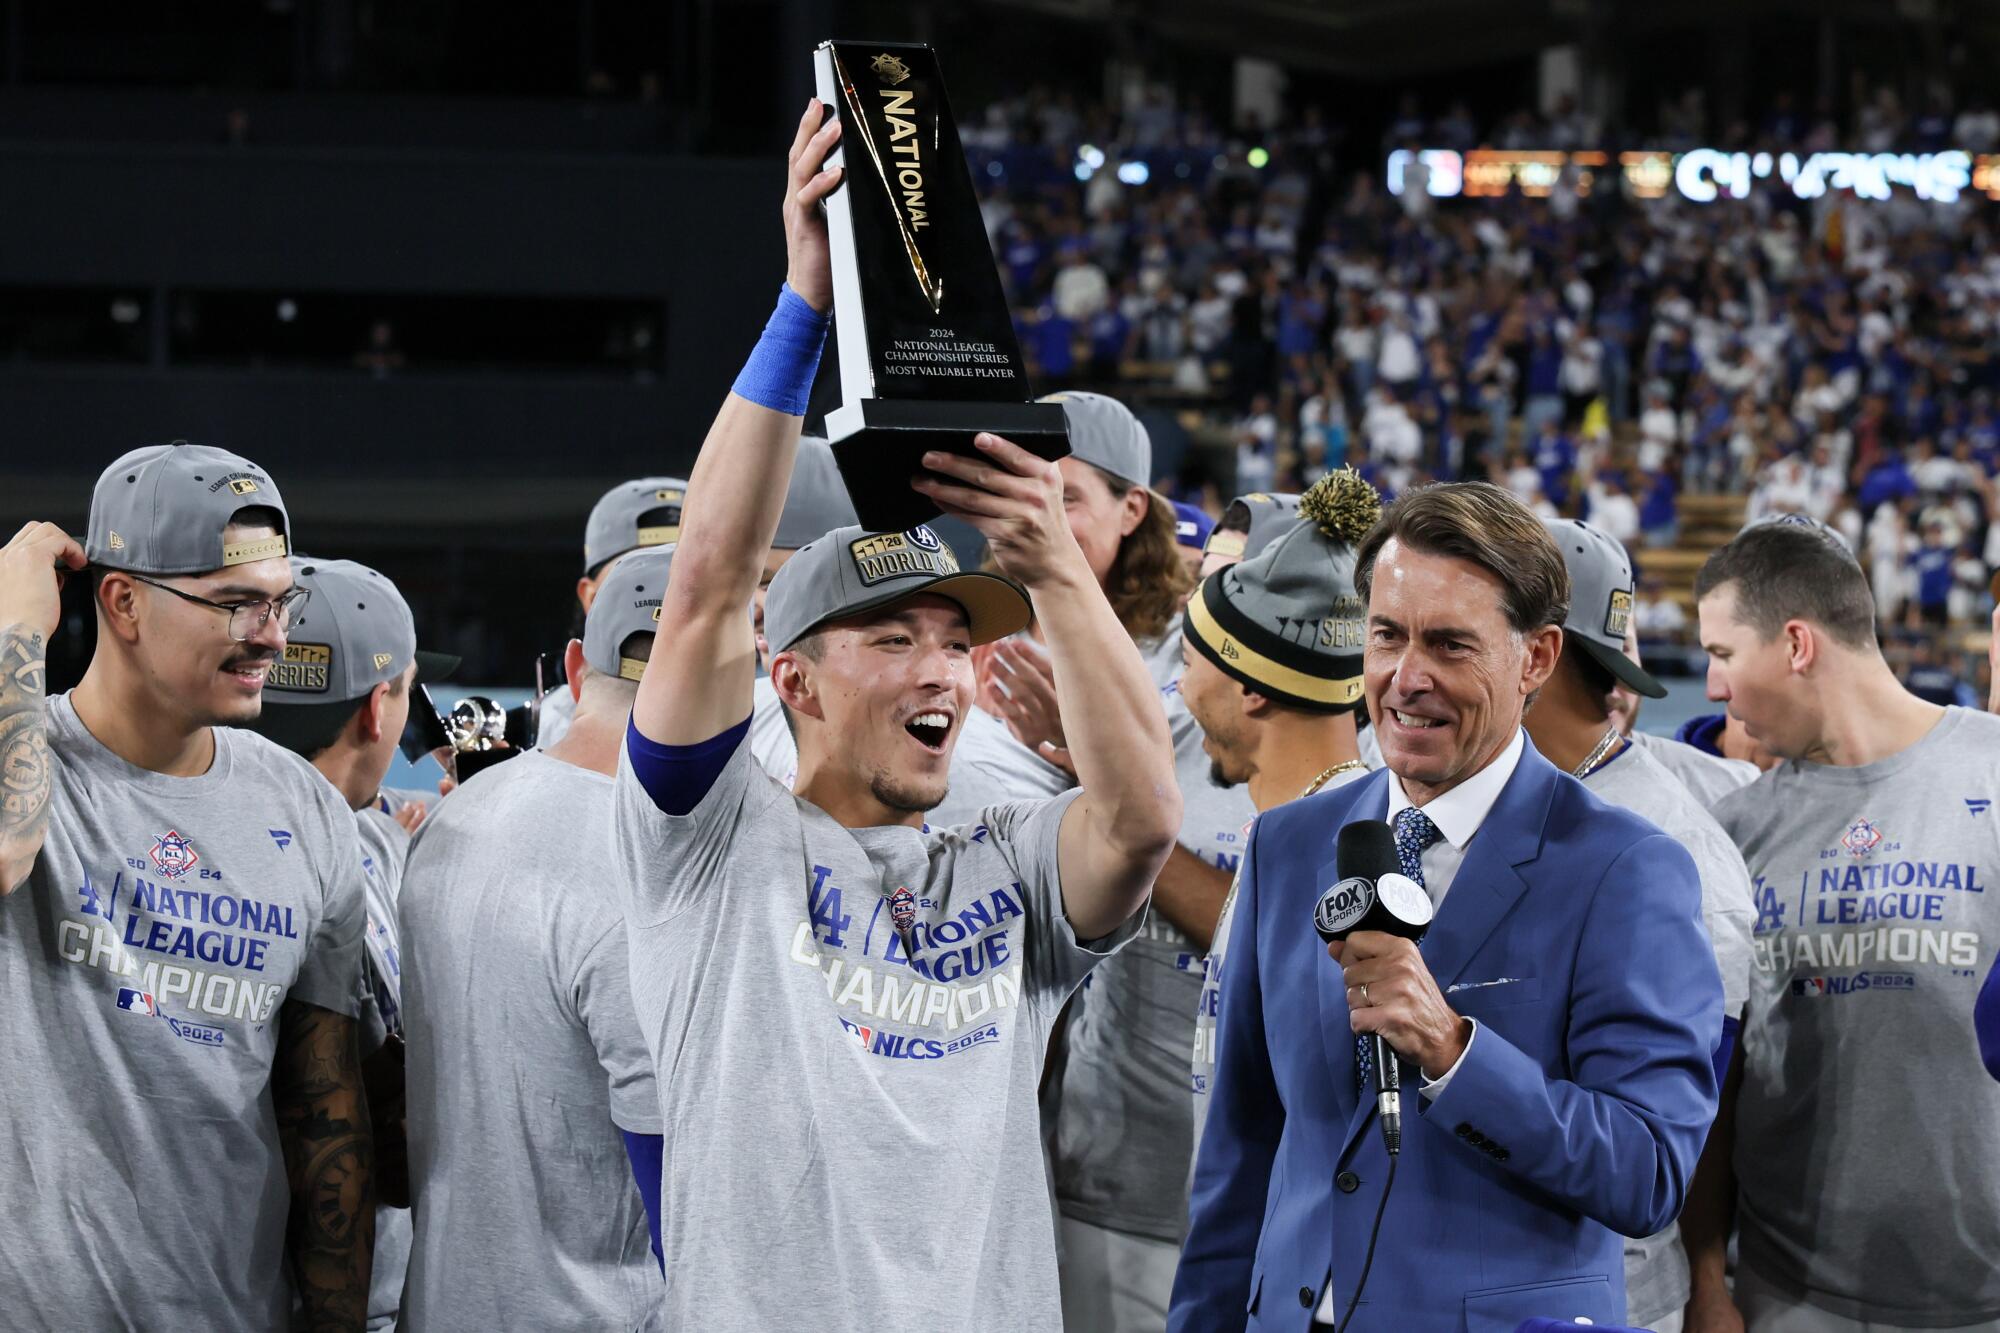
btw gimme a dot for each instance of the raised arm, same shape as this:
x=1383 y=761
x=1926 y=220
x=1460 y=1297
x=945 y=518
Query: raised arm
x=322 y=1113
x=30 y=607
x=698 y=684
x=1117 y=834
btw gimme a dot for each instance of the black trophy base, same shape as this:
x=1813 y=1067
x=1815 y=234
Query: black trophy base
x=879 y=442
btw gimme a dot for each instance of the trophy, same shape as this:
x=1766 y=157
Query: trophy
x=928 y=356
x=478 y=728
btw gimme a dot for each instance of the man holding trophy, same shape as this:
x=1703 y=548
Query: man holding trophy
x=847 y=1007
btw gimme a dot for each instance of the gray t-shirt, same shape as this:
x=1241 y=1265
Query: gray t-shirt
x=850 y=1027
x=557 y=710
x=1709 y=777
x=143 y=966
x=525 y=1061
x=1867 y=1133
x=1210 y=998
x=384 y=845
x=988 y=766
x=1656 y=1267
x=1124 y=1131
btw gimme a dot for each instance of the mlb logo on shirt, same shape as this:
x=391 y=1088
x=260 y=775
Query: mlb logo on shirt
x=862 y=1036
x=137 y=1002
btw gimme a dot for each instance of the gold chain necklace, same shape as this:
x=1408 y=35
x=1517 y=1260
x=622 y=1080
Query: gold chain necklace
x=1352 y=765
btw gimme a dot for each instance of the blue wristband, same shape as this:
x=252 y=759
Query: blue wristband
x=779 y=373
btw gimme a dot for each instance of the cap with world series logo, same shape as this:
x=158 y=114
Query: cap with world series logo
x=165 y=508
x=1601 y=601
x=628 y=602
x=632 y=515
x=354 y=632
x=851 y=570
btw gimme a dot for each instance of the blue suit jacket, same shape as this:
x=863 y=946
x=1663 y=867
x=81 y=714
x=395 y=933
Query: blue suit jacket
x=1573 y=934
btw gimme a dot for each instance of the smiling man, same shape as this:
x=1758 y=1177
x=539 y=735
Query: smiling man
x=180 y=939
x=848 y=1008
x=1873 y=855
x=1555 y=1026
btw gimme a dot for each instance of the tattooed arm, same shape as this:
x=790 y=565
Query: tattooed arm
x=329 y=1159
x=30 y=606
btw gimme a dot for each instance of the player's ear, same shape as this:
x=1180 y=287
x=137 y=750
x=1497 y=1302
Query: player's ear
x=368 y=717
x=573 y=669
x=795 y=689
x=117 y=599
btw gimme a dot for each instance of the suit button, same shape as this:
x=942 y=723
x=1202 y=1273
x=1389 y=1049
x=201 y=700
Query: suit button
x=1476 y=1139
x=1464 y=1130
x=1500 y=1156
x=1348 y=1182
x=1306 y=1297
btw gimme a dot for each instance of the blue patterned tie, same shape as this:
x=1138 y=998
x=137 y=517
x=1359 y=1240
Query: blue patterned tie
x=1414 y=832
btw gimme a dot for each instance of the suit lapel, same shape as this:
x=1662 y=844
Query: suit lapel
x=1483 y=891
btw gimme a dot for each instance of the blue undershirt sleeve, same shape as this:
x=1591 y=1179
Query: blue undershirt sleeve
x=1725 y=1049
x=678 y=776
x=647 y=1153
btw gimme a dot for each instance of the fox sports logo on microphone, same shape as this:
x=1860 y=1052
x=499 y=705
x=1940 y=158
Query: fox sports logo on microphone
x=1341 y=907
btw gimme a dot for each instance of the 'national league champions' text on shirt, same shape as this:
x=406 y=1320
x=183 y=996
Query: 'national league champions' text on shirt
x=1868 y=1132
x=849 y=1026
x=143 y=967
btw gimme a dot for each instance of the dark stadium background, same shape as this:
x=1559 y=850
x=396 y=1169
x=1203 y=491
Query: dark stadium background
x=450 y=269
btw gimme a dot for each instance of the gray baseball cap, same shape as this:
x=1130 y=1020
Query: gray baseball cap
x=354 y=632
x=645 y=511
x=1829 y=535
x=162 y=510
x=627 y=603
x=1252 y=522
x=851 y=570
x=1288 y=622
x=817 y=501
x=1600 y=600
x=1103 y=432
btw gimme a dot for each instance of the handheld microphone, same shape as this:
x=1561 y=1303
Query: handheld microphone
x=1374 y=894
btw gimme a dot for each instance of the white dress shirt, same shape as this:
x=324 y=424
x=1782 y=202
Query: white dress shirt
x=1458 y=814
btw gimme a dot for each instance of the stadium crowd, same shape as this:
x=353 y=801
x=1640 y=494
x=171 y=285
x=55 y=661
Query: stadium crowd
x=1602 y=357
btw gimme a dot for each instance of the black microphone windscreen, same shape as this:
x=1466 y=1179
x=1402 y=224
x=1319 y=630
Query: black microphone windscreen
x=1366 y=847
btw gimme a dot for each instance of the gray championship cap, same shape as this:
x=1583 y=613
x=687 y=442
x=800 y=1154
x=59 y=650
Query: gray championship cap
x=645 y=511
x=1831 y=536
x=851 y=570
x=354 y=632
x=1251 y=523
x=1600 y=601
x=1103 y=432
x=816 y=502
x=627 y=603
x=1288 y=622
x=162 y=510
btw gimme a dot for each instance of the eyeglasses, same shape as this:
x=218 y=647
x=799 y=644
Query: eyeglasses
x=246 y=619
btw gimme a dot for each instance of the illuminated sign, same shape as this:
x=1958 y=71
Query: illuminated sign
x=1701 y=175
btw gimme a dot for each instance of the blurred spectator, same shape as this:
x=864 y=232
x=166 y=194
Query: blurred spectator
x=381 y=356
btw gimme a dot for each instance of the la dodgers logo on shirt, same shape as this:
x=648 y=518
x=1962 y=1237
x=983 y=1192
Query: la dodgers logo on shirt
x=1862 y=837
x=173 y=854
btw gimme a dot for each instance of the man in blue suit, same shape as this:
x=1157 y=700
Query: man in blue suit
x=1555 y=1028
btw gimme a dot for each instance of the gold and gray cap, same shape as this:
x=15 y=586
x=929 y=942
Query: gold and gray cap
x=1601 y=594
x=162 y=510
x=1288 y=622
x=353 y=633
x=1250 y=523
x=816 y=502
x=645 y=511
x=628 y=602
x=851 y=570
x=1104 y=433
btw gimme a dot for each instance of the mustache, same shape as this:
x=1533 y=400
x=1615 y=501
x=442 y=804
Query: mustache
x=249 y=660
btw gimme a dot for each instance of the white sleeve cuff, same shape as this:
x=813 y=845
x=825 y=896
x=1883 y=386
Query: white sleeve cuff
x=1430 y=1087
